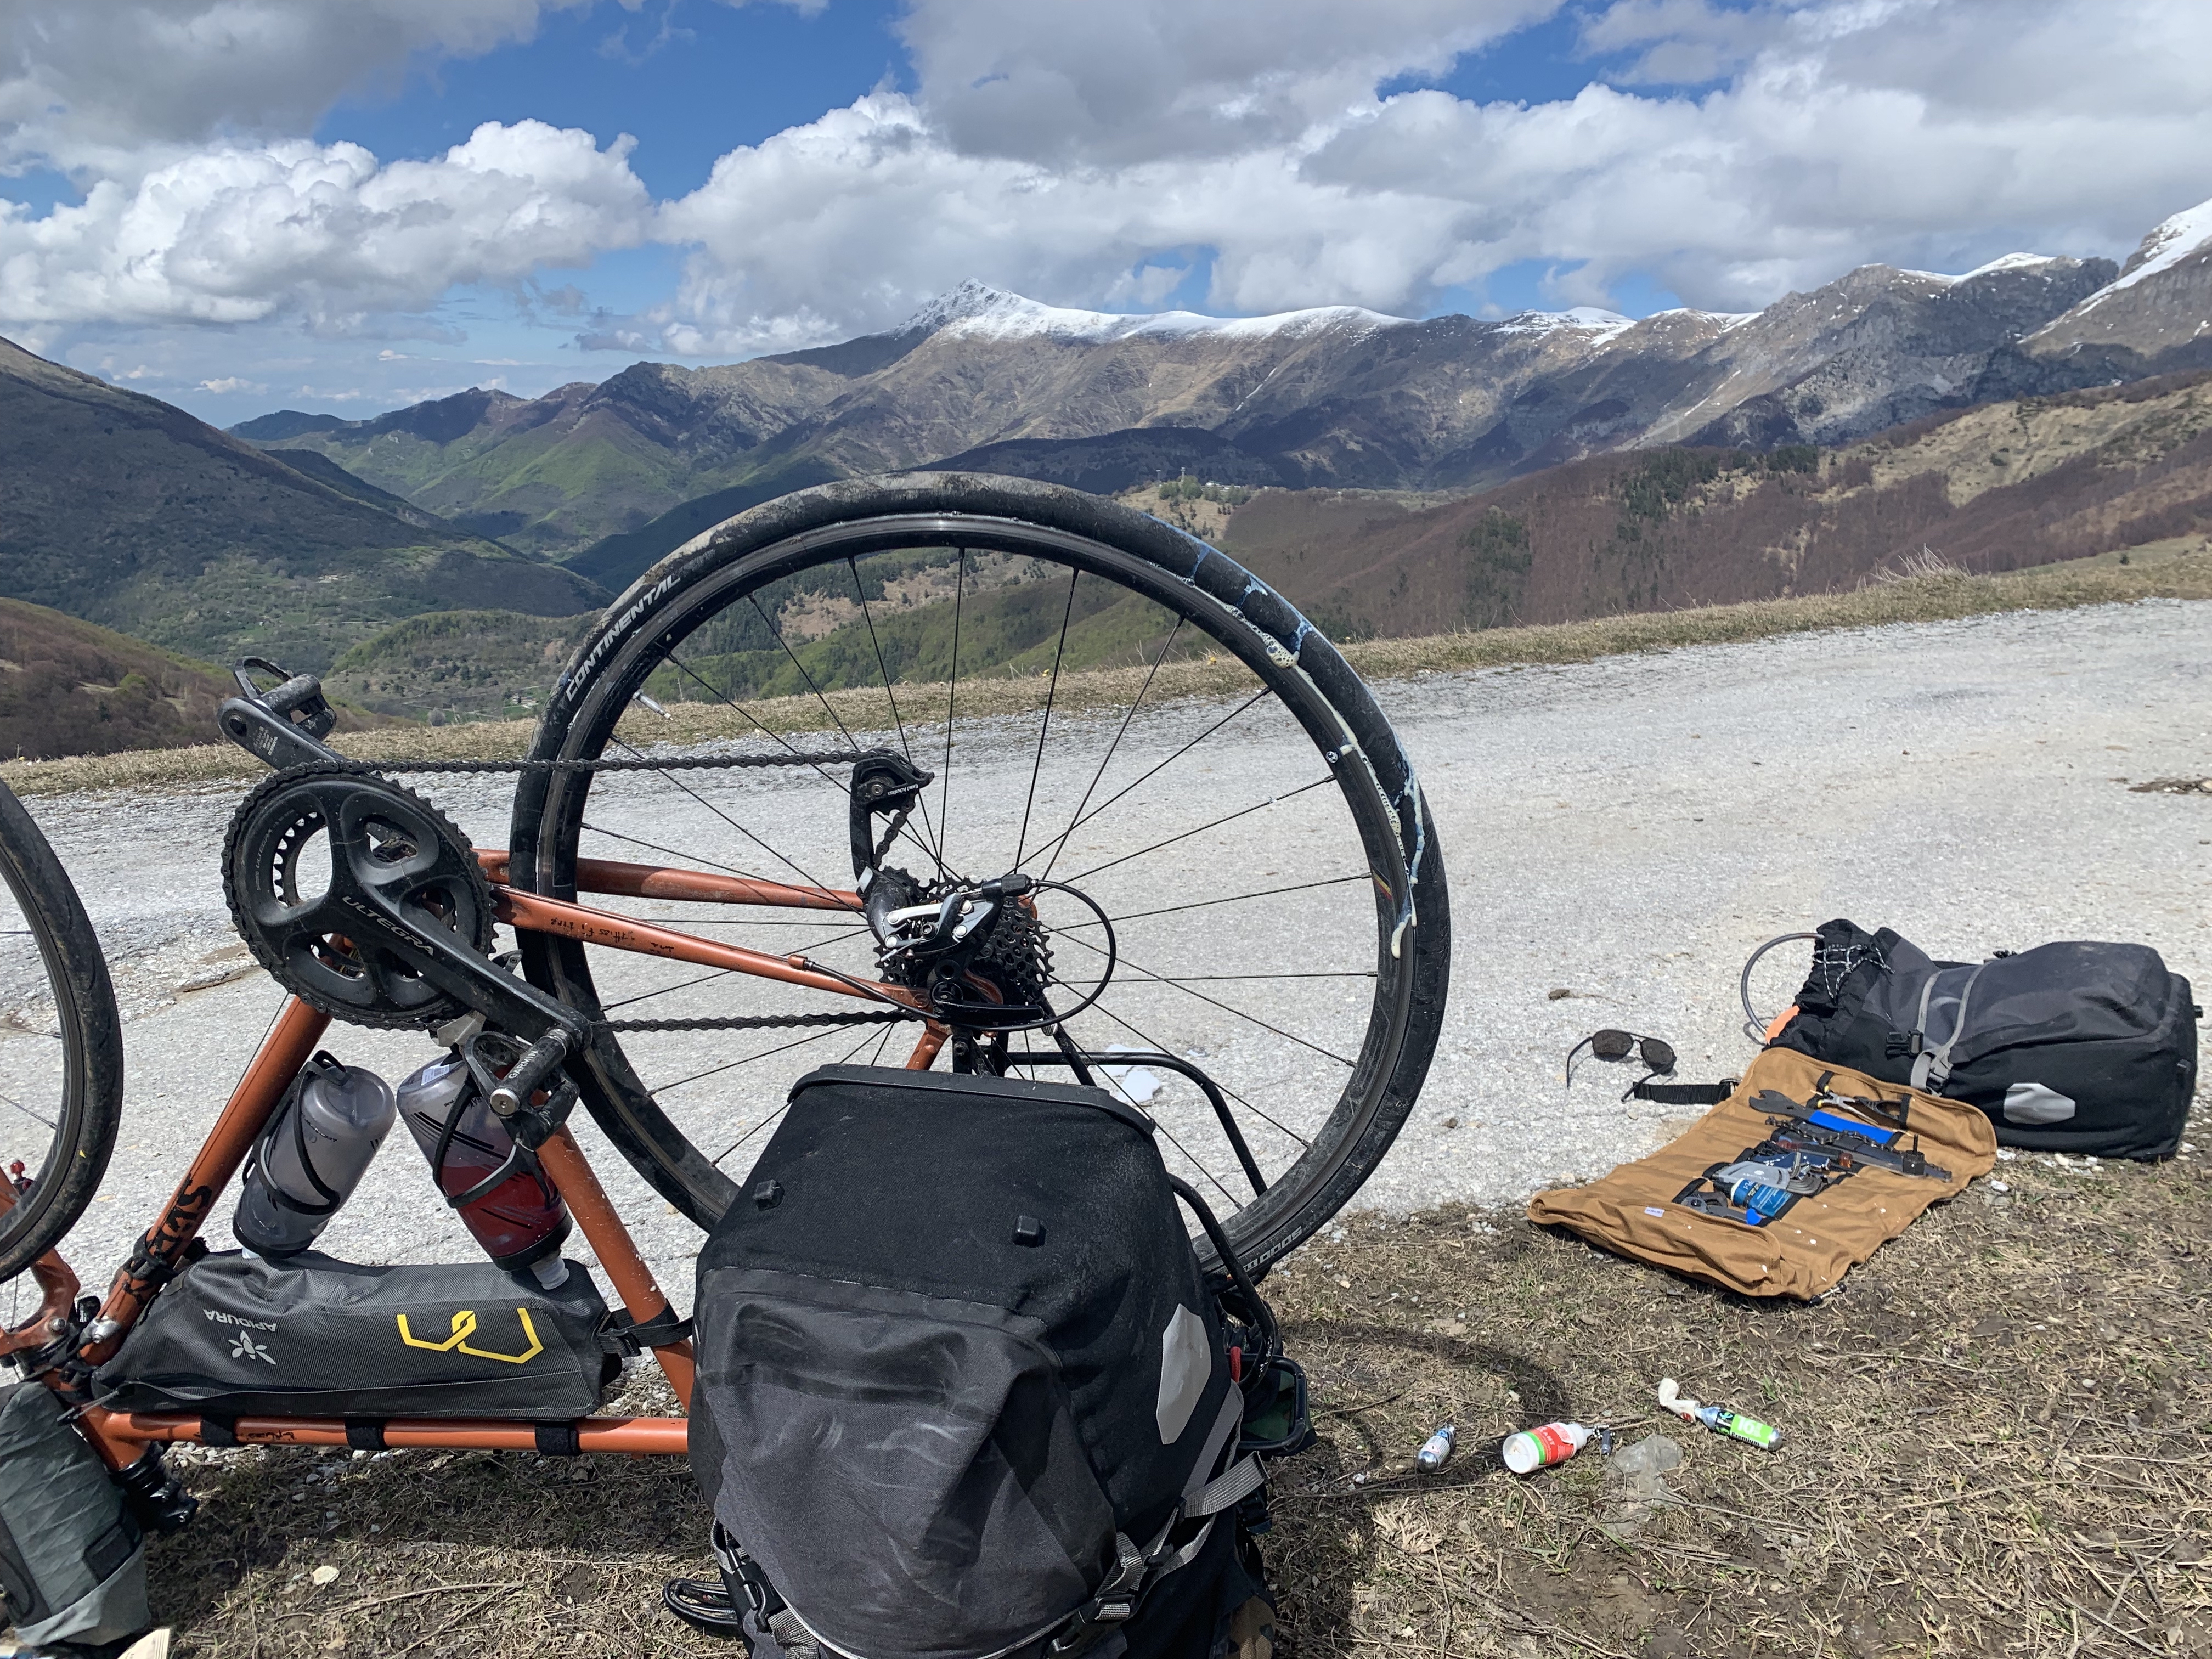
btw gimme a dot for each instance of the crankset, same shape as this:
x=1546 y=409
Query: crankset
x=362 y=899
x=400 y=932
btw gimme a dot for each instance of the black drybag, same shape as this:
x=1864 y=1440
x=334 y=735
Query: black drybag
x=235 y=1336
x=962 y=1390
x=72 y=1559
x=2072 y=1048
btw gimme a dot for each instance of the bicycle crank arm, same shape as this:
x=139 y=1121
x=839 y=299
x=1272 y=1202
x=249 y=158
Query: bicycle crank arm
x=282 y=726
x=509 y=1005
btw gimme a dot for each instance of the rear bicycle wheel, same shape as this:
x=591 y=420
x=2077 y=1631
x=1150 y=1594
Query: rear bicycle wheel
x=61 y=1047
x=1246 y=881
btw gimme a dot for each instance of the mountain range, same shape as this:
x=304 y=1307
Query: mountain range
x=609 y=477
x=127 y=511
x=1390 y=475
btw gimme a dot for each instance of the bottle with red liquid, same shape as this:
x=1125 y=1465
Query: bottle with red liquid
x=522 y=1222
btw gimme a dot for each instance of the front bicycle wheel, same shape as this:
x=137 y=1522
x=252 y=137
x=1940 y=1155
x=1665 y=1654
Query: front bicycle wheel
x=61 y=1047
x=1238 y=876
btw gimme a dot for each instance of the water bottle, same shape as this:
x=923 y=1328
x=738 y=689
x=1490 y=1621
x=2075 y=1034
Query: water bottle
x=1436 y=1448
x=520 y=1223
x=312 y=1156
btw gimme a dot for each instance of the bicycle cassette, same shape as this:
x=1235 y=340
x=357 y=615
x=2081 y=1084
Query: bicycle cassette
x=305 y=851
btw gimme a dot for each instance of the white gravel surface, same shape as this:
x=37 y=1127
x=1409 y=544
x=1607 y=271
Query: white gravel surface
x=1626 y=830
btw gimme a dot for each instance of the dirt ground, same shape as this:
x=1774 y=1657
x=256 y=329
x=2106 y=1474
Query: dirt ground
x=1997 y=1440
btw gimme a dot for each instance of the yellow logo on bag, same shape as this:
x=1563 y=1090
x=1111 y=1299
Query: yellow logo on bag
x=465 y=1327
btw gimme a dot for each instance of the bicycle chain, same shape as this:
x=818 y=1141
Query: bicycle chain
x=643 y=763
x=684 y=763
x=759 y=1022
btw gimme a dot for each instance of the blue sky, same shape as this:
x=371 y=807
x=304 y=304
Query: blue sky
x=243 y=204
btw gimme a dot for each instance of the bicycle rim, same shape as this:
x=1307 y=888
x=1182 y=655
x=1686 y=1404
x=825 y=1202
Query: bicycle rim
x=1144 y=722
x=61 y=1075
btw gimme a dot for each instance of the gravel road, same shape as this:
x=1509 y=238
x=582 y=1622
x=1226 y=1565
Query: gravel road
x=1625 y=831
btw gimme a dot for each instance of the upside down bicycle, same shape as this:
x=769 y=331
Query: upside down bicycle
x=1112 y=810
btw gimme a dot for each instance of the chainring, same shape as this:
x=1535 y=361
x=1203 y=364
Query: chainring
x=302 y=849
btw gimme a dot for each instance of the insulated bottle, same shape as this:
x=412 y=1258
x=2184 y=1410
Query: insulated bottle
x=312 y=1156
x=520 y=1223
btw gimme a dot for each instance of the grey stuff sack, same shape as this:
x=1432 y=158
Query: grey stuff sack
x=2076 y=1047
x=72 y=1561
x=312 y=1336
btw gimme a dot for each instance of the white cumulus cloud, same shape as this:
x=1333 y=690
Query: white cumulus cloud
x=1077 y=154
x=321 y=232
x=109 y=85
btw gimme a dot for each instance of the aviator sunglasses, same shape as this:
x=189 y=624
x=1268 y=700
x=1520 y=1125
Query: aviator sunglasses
x=1657 y=1056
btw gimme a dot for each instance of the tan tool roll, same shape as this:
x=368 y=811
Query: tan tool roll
x=1667 y=1209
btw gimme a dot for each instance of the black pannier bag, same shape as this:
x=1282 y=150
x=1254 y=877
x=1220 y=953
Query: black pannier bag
x=962 y=1390
x=311 y=1336
x=2073 y=1046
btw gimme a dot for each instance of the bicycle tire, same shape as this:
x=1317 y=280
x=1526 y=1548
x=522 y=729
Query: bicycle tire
x=1164 y=566
x=88 y=1029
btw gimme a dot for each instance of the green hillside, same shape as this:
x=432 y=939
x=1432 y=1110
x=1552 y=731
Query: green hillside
x=458 y=665
x=125 y=510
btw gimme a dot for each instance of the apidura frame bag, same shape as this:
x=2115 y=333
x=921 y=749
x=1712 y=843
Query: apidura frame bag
x=235 y=1336
x=1680 y=1208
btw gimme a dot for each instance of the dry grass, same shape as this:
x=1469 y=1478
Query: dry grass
x=2176 y=570
x=1998 y=1442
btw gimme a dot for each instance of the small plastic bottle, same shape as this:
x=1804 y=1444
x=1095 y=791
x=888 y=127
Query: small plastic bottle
x=1554 y=1443
x=521 y=1222
x=1436 y=1448
x=312 y=1156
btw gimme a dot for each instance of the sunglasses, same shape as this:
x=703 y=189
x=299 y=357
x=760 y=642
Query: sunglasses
x=1658 y=1057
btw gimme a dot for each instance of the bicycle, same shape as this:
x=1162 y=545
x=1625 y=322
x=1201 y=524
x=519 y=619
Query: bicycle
x=1093 y=633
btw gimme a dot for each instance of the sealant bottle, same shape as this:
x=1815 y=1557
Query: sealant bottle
x=312 y=1156
x=522 y=1222
x=1735 y=1425
x=1554 y=1443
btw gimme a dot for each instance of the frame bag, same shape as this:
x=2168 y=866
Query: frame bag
x=2069 y=1047
x=235 y=1336
x=964 y=1390
x=72 y=1559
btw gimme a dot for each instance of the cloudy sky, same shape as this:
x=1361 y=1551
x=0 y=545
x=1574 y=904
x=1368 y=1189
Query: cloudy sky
x=240 y=205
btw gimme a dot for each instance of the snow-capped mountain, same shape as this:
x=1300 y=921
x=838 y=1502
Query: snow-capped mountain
x=2158 y=309
x=1335 y=396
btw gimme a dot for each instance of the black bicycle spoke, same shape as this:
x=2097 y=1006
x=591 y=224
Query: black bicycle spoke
x=654 y=847
x=951 y=691
x=841 y=787
x=1157 y=1047
x=1059 y=844
x=9 y=1100
x=665 y=990
x=753 y=599
x=1234 y=898
x=1339 y=973
x=1062 y=839
x=1044 y=726
x=810 y=880
x=898 y=721
x=1256 y=806
x=1147 y=977
x=732 y=1065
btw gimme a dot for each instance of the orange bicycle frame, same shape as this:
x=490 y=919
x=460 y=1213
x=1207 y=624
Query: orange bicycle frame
x=121 y=1437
